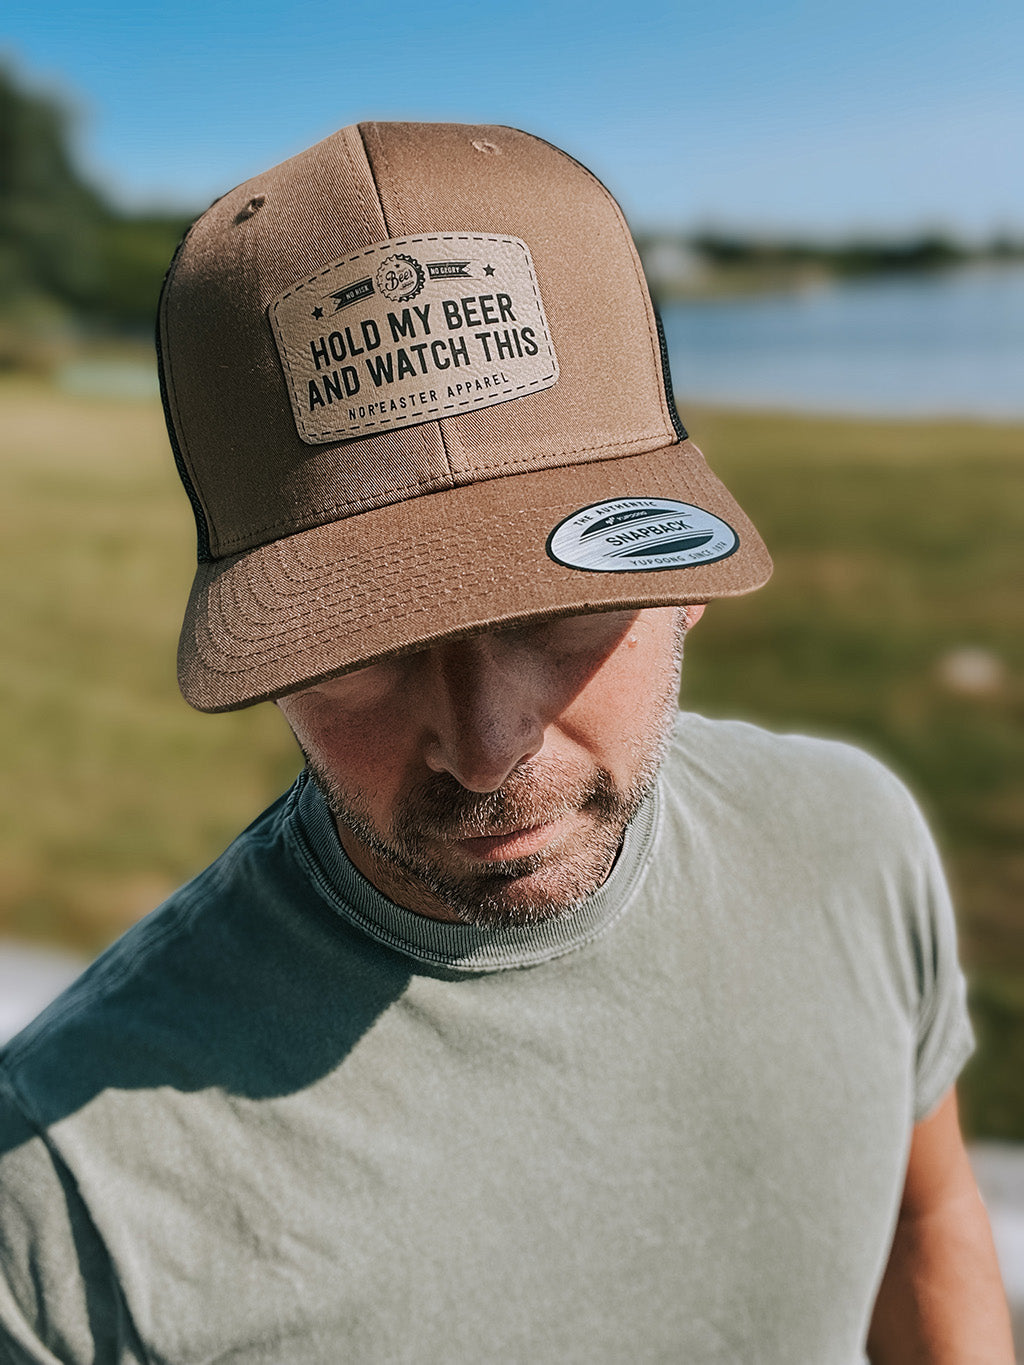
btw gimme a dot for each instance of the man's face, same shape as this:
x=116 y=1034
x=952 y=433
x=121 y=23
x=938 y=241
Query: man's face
x=490 y=780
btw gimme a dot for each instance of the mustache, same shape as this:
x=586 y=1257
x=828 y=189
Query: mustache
x=441 y=807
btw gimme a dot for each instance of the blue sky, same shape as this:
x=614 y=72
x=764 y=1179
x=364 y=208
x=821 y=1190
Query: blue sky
x=827 y=117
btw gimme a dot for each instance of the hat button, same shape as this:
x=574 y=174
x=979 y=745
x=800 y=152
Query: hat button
x=253 y=205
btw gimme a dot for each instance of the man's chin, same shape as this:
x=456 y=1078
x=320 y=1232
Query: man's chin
x=525 y=899
x=521 y=891
x=517 y=904
x=439 y=858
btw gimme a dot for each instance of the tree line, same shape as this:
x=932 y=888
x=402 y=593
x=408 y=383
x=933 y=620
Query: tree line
x=70 y=257
x=67 y=252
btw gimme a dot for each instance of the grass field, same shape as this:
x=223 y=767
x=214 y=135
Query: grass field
x=897 y=547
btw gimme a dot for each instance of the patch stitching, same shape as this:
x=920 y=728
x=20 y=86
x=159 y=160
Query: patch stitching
x=351 y=430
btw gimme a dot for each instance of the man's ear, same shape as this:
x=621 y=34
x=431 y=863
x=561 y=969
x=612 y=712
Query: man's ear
x=693 y=613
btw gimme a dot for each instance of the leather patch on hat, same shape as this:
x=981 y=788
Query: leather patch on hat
x=411 y=330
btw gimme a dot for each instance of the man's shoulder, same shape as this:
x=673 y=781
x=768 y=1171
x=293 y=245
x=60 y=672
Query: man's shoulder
x=159 y=972
x=791 y=779
x=813 y=832
x=749 y=747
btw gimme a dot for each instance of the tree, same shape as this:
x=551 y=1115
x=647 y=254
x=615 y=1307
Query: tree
x=63 y=245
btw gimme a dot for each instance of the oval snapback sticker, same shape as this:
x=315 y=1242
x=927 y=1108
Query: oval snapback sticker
x=637 y=535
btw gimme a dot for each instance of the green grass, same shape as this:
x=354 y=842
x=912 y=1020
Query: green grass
x=117 y=791
x=895 y=543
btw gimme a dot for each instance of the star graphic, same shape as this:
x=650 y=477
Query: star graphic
x=318 y=312
x=488 y=269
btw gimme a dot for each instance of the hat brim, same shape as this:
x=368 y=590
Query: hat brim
x=322 y=602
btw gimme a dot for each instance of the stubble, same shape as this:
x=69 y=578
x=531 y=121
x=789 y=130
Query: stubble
x=416 y=852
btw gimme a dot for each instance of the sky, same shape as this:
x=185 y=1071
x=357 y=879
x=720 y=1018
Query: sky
x=826 y=118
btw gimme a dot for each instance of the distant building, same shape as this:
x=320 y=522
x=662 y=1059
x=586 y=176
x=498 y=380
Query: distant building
x=670 y=264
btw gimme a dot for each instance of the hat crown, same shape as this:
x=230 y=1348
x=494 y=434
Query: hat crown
x=417 y=388
x=258 y=468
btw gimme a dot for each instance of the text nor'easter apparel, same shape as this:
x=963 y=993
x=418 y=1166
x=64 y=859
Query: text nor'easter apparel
x=285 y=1121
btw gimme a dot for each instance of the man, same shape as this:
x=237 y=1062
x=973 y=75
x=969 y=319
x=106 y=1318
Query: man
x=531 y=1025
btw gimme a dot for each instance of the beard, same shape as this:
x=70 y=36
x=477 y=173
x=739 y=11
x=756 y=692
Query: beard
x=549 y=883
x=418 y=851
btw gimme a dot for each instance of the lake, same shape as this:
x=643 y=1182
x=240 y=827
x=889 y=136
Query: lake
x=950 y=343
x=909 y=346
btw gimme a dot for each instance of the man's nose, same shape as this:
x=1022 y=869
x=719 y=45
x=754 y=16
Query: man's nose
x=483 y=717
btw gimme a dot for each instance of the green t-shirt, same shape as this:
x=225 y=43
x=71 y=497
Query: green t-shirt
x=283 y=1120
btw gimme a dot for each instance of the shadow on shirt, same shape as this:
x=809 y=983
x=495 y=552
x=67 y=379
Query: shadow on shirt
x=256 y=997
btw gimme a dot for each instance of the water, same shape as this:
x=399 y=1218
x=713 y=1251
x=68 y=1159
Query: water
x=951 y=343
x=29 y=979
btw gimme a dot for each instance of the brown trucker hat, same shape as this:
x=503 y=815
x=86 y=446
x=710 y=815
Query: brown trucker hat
x=415 y=388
